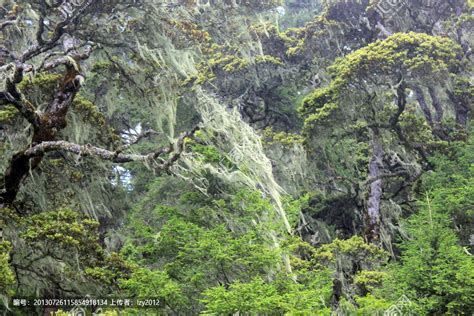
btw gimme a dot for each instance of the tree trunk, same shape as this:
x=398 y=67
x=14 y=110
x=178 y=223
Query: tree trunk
x=45 y=128
x=375 y=194
x=436 y=104
x=461 y=107
x=420 y=97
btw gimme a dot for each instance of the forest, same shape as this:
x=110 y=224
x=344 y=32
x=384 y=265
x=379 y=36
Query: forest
x=236 y=157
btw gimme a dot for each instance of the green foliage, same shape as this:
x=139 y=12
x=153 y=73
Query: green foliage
x=368 y=280
x=414 y=56
x=308 y=291
x=196 y=248
x=353 y=249
x=202 y=243
x=209 y=154
x=7 y=278
x=417 y=131
x=204 y=236
x=145 y=283
x=309 y=294
x=65 y=228
x=435 y=272
x=286 y=139
x=66 y=244
x=260 y=297
x=451 y=187
x=111 y=271
x=463 y=88
x=89 y=111
x=230 y=63
x=357 y=264
x=255 y=296
x=366 y=305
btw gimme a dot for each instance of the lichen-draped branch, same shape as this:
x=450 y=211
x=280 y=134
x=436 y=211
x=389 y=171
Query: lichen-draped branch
x=113 y=156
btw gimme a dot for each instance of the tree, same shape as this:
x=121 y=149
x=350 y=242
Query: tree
x=59 y=104
x=195 y=243
x=63 y=44
x=361 y=94
x=434 y=273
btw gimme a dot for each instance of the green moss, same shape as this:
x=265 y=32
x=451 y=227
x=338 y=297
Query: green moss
x=43 y=81
x=101 y=66
x=41 y=88
x=88 y=110
x=7 y=113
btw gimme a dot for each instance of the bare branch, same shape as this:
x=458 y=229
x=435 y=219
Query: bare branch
x=58 y=32
x=65 y=60
x=4 y=24
x=137 y=138
x=40 y=31
x=5 y=52
x=37 y=49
